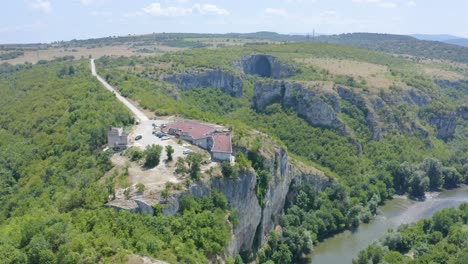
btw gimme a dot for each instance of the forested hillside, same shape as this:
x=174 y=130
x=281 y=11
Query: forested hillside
x=385 y=140
x=373 y=123
x=53 y=124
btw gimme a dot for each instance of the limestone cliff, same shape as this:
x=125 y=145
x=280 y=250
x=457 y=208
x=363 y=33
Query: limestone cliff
x=266 y=66
x=319 y=109
x=255 y=222
x=209 y=78
x=446 y=123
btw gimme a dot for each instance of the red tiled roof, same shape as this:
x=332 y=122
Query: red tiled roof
x=222 y=143
x=195 y=130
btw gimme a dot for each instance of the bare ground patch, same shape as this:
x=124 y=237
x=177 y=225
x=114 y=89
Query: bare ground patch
x=33 y=56
x=374 y=74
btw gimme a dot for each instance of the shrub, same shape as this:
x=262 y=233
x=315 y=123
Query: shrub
x=152 y=155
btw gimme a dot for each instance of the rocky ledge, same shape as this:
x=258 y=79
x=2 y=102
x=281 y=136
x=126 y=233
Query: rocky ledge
x=210 y=78
x=266 y=66
x=317 y=109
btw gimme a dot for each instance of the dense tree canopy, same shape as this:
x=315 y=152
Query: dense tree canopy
x=440 y=239
x=52 y=131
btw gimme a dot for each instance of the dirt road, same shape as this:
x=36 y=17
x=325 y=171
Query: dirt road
x=138 y=114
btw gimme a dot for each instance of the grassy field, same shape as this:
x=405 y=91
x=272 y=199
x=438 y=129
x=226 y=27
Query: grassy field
x=33 y=56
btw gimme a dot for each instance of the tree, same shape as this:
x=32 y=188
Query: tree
x=152 y=155
x=451 y=177
x=169 y=152
x=283 y=255
x=433 y=169
x=400 y=177
x=181 y=166
x=194 y=162
x=418 y=184
x=227 y=170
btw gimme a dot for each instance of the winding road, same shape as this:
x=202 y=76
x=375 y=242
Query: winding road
x=136 y=112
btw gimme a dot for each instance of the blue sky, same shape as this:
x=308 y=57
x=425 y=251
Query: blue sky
x=25 y=21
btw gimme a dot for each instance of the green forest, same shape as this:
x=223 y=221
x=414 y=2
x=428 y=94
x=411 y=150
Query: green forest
x=443 y=238
x=53 y=125
x=54 y=118
x=401 y=162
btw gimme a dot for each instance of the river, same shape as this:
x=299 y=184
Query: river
x=344 y=247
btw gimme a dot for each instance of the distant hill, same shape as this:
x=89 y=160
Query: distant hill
x=449 y=39
x=437 y=37
x=400 y=44
x=389 y=43
x=459 y=41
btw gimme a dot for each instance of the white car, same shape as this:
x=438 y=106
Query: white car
x=165 y=138
x=187 y=151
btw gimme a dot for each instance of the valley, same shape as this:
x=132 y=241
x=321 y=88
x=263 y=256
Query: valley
x=323 y=138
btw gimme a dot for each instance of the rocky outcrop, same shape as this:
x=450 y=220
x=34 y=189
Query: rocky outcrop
x=133 y=205
x=255 y=222
x=317 y=109
x=210 y=78
x=128 y=205
x=145 y=206
x=266 y=66
x=446 y=123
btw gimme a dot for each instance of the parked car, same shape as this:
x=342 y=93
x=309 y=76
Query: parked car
x=165 y=138
x=160 y=134
x=187 y=151
x=138 y=137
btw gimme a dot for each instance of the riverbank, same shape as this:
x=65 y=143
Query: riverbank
x=344 y=247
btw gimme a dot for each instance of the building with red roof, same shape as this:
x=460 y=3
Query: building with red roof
x=204 y=136
x=222 y=146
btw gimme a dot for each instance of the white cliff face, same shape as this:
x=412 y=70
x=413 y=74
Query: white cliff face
x=226 y=82
x=254 y=222
x=315 y=109
x=266 y=65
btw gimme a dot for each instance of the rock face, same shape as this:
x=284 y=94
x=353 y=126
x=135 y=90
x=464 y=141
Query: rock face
x=227 y=82
x=446 y=123
x=367 y=106
x=266 y=66
x=138 y=205
x=317 y=109
x=255 y=222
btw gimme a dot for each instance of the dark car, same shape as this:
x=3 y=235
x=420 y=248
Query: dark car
x=138 y=137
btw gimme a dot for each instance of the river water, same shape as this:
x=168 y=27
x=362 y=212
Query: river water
x=344 y=247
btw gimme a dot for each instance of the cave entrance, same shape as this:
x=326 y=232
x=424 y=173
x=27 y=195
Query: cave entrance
x=262 y=67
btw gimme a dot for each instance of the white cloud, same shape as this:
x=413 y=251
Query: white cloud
x=208 y=9
x=44 y=6
x=411 y=3
x=377 y=2
x=275 y=12
x=157 y=10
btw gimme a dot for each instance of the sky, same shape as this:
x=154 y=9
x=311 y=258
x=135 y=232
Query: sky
x=33 y=21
